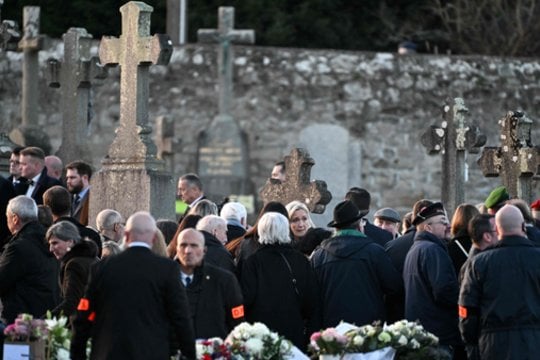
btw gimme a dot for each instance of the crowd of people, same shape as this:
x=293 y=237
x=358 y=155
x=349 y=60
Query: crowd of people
x=146 y=289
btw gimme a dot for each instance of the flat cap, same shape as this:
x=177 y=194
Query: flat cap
x=388 y=214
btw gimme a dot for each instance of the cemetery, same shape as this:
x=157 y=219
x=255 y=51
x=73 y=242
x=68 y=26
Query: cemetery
x=363 y=117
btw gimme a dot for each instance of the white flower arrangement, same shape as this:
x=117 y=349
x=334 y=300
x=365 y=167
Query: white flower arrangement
x=257 y=342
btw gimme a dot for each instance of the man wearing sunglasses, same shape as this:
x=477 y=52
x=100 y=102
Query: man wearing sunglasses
x=431 y=286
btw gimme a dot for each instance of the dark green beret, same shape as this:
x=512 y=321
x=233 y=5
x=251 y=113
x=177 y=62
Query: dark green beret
x=496 y=197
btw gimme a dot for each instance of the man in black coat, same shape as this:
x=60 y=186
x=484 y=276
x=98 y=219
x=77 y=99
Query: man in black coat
x=133 y=302
x=214 y=230
x=7 y=192
x=354 y=272
x=32 y=160
x=499 y=298
x=28 y=271
x=214 y=294
x=431 y=286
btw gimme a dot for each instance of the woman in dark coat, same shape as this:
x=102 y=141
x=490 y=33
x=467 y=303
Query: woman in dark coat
x=279 y=285
x=76 y=257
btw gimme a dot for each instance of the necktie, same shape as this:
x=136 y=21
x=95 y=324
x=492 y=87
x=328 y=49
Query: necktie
x=187 y=280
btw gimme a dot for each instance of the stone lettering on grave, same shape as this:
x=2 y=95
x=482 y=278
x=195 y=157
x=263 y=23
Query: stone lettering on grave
x=75 y=76
x=297 y=184
x=222 y=161
x=453 y=139
x=516 y=160
x=132 y=178
x=29 y=133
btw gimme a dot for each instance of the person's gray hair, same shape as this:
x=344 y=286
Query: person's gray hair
x=210 y=223
x=24 y=207
x=203 y=208
x=273 y=228
x=106 y=219
x=233 y=211
x=114 y=248
x=64 y=230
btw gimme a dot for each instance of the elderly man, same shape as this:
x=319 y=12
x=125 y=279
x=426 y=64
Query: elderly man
x=133 y=302
x=32 y=161
x=55 y=166
x=110 y=225
x=214 y=294
x=214 y=230
x=190 y=190
x=235 y=215
x=354 y=272
x=388 y=219
x=28 y=271
x=431 y=286
x=499 y=299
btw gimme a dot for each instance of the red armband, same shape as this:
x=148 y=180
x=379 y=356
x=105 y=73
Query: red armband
x=462 y=312
x=238 y=312
x=84 y=305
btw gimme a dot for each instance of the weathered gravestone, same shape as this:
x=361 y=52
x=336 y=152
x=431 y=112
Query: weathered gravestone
x=453 y=138
x=298 y=184
x=222 y=159
x=516 y=160
x=29 y=133
x=75 y=76
x=165 y=141
x=132 y=178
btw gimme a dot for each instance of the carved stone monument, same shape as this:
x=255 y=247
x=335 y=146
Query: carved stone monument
x=29 y=133
x=453 y=138
x=132 y=178
x=298 y=185
x=165 y=141
x=516 y=160
x=222 y=161
x=75 y=76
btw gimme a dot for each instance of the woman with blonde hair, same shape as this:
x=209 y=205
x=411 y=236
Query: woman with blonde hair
x=299 y=220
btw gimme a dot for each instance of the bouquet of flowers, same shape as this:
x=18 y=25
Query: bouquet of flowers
x=412 y=341
x=26 y=328
x=58 y=337
x=257 y=342
x=213 y=348
x=328 y=342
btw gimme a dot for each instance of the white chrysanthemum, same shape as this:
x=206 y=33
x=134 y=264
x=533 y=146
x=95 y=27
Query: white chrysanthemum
x=384 y=337
x=67 y=343
x=200 y=349
x=358 y=340
x=370 y=330
x=414 y=344
x=254 y=346
x=285 y=347
x=402 y=340
x=259 y=330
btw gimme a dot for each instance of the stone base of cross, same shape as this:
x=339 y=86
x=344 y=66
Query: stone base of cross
x=298 y=185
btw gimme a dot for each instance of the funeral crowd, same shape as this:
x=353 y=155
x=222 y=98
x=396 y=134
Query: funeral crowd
x=145 y=289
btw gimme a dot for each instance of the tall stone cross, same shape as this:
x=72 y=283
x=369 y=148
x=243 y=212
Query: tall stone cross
x=9 y=33
x=75 y=76
x=225 y=36
x=222 y=156
x=31 y=43
x=297 y=184
x=516 y=160
x=132 y=178
x=453 y=138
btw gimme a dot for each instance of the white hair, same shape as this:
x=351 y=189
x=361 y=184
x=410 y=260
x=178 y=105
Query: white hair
x=209 y=223
x=106 y=219
x=273 y=228
x=234 y=211
x=24 y=207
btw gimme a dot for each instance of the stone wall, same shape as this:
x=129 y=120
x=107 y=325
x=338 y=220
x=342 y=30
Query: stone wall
x=360 y=114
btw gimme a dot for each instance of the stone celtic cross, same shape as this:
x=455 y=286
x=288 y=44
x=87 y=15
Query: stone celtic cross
x=298 y=185
x=75 y=76
x=134 y=51
x=225 y=36
x=453 y=138
x=516 y=160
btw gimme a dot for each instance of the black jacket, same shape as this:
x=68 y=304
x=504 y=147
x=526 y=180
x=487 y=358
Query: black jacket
x=502 y=301
x=85 y=232
x=44 y=183
x=431 y=288
x=354 y=275
x=7 y=192
x=213 y=296
x=74 y=271
x=380 y=236
x=28 y=274
x=292 y=310
x=216 y=254
x=455 y=252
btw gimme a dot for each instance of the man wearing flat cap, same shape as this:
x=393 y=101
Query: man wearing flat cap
x=496 y=199
x=389 y=220
x=431 y=285
x=354 y=272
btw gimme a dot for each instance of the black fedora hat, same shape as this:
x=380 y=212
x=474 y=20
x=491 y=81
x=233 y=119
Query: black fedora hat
x=345 y=213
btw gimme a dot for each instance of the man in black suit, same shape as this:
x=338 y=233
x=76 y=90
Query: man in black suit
x=133 y=302
x=15 y=167
x=7 y=191
x=32 y=160
x=78 y=174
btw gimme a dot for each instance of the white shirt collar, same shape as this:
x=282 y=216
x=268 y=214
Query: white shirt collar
x=139 y=243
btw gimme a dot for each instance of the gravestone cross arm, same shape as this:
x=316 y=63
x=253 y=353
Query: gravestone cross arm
x=298 y=185
x=135 y=50
x=517 y=159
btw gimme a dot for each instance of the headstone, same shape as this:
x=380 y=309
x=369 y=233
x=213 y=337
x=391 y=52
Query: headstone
x=29 y=133
x=75 y=76
x=9 y=33
x=298 y=184
x=131 y=177
x=177 y=21
x=453 y=139
x=165 y=141
x=222 y=161
x=516 y=160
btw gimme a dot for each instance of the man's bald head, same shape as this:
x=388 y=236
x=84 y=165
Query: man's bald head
x=509 y=221
x=141 y=226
